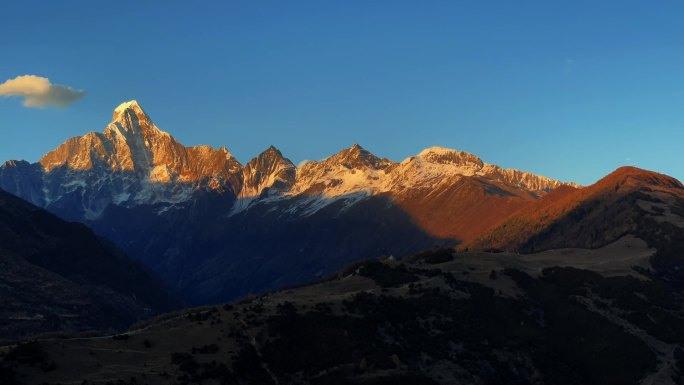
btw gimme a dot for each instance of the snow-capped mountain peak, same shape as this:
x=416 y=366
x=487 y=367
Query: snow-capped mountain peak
x=433 y=166
x=447 y=156
x=357 y=157
x=352 y=170
x=129 y=119
x=133 y=162
x=132 y=105
x=269 y=170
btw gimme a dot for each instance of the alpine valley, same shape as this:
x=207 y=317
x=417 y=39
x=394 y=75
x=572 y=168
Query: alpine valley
x=215 y=230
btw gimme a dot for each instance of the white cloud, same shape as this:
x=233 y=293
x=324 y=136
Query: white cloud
x=38 y=92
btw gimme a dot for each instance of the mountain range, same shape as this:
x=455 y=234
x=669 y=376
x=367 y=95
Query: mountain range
x=268 y=223
x=439 y=269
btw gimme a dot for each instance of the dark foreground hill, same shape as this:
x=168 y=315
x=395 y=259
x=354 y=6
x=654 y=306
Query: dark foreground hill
x=59 y=276
x=436 y=318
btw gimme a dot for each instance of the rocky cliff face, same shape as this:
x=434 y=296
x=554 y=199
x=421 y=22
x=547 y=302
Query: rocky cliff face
x=269 y=170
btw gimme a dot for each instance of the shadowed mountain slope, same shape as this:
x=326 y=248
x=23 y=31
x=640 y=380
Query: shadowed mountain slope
x=59 y=276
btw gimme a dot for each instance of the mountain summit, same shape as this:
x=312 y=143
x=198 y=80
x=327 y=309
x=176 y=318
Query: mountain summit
x=131 y=162
x=130 y=106
x=357 y=157
x=269 y=170
x=133 y=143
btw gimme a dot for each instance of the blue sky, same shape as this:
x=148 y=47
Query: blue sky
x=571 y=90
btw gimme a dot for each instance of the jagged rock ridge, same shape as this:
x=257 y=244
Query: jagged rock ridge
x=134 y=162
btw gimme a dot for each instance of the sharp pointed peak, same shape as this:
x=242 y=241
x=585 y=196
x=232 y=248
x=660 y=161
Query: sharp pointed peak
x=356 y=148
x=271 y=151
x=357 y=156
x=129 y=105
x=271 y=155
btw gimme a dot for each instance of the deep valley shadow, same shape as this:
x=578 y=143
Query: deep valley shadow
x=210 y=256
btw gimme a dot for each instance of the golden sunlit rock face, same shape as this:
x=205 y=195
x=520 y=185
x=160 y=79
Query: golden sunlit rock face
x=132 y=143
